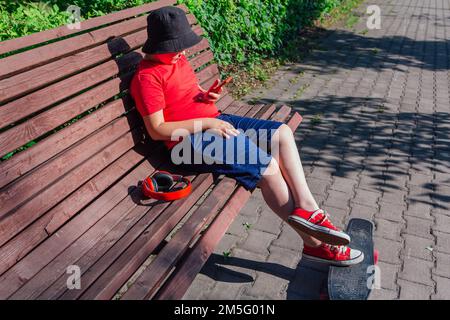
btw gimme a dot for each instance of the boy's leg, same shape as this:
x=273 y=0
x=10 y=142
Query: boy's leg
x=284 y=149
x=273 y=186
x=276 y=192
x=279 y=198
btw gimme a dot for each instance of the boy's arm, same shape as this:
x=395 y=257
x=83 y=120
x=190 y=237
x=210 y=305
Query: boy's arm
x=158 y=129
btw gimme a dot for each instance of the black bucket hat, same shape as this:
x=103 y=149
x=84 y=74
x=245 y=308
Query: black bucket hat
x=168 y=30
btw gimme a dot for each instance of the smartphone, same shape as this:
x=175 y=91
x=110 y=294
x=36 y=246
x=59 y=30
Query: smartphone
x=219 y=85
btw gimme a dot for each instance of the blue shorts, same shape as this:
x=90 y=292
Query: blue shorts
x=243 y=157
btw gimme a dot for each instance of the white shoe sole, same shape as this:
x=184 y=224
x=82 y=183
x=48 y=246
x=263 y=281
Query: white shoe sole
x=344 y=263
x=321 y=233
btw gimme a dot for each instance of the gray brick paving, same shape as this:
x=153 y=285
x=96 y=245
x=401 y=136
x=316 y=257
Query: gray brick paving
x=381 y=151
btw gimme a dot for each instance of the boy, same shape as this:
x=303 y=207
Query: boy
x=166 y=93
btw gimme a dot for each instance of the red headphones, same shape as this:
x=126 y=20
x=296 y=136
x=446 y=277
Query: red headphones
x=158 y=185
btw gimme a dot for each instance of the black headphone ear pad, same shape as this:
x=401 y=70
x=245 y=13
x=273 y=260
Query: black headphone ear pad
x=165 y=181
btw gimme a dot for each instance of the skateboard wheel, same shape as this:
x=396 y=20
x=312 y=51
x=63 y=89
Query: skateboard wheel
x=375 y=256
x=324 y=296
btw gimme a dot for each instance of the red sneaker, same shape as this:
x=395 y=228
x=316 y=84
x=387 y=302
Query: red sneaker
x=340 y=256
x=317 y=224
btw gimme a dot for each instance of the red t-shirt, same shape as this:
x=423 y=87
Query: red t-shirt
x=171 y=87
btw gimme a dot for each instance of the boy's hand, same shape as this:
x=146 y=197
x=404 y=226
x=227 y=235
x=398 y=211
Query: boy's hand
x=221 y=128
x=212 y=96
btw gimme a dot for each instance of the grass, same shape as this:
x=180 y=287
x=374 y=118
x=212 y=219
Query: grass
x=340 y=14
x=316 y=119
x=247 y=225
x=293 y=80
x=300 y=91
x=351 y=21
x=364 y=32
x=381 y=109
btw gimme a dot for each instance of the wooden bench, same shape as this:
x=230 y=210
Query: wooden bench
x=72 y=197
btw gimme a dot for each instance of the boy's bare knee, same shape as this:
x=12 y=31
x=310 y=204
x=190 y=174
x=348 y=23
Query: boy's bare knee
x=284 y=132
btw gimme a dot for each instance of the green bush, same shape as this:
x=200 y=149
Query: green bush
x=239 y=31
x=244 y=31
x=19 y=18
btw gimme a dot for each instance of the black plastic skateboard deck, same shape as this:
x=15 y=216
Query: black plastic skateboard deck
x=354 y=282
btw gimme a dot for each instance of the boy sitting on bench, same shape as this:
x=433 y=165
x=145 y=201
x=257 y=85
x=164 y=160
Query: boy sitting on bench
x=166 y=93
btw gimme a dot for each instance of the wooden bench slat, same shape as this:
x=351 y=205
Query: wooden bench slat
x=52 y=118
x=191 y=266
x=20 y=84
x=38 y=100
x=157 y=271
x=28 y=159
x=14 y=250
x=266 y=111
x=202 y=45
x=36 y=207
x=43 y=187
x=26 y=60
x=53 y=170
x=98 y=237
x=102 y=265
x=208 y=72
x=181 y=279
x=283 y=113
x=25 y=269
x=47 y=35
x=201 y=59
x=99 y=257
x=227 y=99
x=145 y=243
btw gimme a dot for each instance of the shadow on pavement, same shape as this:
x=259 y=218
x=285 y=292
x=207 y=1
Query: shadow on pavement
x=305 y=281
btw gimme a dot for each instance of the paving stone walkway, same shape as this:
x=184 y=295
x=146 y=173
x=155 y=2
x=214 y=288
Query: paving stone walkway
x=375 y=143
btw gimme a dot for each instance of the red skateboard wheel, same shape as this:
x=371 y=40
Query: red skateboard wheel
x=375 y=256
x=324 y=296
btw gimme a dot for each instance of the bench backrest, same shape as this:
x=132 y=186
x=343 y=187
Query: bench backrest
x=68 y=127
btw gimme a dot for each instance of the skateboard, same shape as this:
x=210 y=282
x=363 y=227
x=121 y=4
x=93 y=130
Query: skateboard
x=355 y=282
